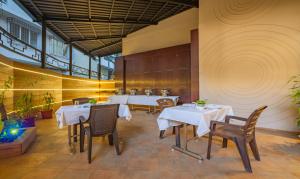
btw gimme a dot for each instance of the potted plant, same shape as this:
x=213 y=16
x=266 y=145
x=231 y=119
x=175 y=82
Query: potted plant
x=200 y=104
x=25 y=109
x=295 y=94
x=92 y=101
x=48 y=106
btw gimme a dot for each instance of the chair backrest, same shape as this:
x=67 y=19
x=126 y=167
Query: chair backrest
x=103 y=119
x=249 y=127
x=165 y=102
x=81 y=100
x=3 y=112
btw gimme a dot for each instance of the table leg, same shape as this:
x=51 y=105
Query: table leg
x=185 y=136
x=75 y=132
x=177 y=132
x=185 y=149
x=69 y=135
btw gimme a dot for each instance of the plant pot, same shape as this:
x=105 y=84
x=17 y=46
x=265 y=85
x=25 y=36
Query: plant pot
x=47 y=114
x=28 y=122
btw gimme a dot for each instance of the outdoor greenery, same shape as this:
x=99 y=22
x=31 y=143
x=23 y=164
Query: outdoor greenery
x=6 y=86
x=48 y=101
x=295 y=94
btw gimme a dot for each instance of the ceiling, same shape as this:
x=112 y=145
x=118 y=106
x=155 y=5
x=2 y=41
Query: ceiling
x=97 y=26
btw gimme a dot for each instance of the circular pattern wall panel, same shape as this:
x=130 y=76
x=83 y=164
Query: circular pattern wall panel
x=250 y=66
x=241 y=11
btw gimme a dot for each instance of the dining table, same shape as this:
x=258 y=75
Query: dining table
x=69 y=116
x=191 y=114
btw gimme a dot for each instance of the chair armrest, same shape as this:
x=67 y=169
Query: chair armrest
x=213 y=125
x=227 y=118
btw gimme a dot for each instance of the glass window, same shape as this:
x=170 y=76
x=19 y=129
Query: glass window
x=24 y=34
x=33 y=38
x=57 y=47
x=15 y=29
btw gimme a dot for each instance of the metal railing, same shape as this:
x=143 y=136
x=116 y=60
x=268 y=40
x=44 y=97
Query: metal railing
x=17 y=46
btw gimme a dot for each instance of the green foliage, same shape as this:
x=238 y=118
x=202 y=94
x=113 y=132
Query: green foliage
x=48 y=101
x=24 y=105
x=1 y=124
x=295 y=94
x=6 y=86
x=201 y=102
x=92 y=101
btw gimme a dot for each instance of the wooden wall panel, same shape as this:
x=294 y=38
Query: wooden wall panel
x=158 y=69
x=63 y=88
x=86 y=88
x=28 y=80
x=119 y=72
x=5 y=73
x=194 y=65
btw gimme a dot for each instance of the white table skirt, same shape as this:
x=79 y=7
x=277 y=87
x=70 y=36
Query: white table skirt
x=69 y=115
x=188 y=114
x=148 y=100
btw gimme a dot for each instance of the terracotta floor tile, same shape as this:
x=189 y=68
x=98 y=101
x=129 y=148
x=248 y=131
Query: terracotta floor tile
x=144 y=156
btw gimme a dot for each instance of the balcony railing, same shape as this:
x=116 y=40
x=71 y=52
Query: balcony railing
x=15 y=45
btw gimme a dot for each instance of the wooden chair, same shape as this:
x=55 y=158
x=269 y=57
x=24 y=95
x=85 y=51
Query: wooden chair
x=165 y=103
x=102 y=121
x=81 y=100
x=3 y=112
x=241 y=135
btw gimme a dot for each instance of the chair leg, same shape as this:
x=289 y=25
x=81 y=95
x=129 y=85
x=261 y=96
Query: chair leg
x=116 y=142
x=69 y=135
x=209 y=146
x=177 y=132
x=224 y=144
x=90 y=148
x=254 y=149
x=194 y=131
x=161 y=134
x=82 y=136
x=242 y=148
x=110 y=139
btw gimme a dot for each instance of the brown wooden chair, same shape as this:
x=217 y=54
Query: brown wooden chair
x=165 y=103
x=3 y=112
x=81 y=100
x=241 y=135
x=102 y=121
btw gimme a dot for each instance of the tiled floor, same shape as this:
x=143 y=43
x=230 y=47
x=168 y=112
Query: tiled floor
x=145 y=156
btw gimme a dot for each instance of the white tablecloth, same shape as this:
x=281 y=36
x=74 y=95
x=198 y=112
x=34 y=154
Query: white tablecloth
x=118 y=99
x=148 y=100
x=69 y=115
x=190 y=115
